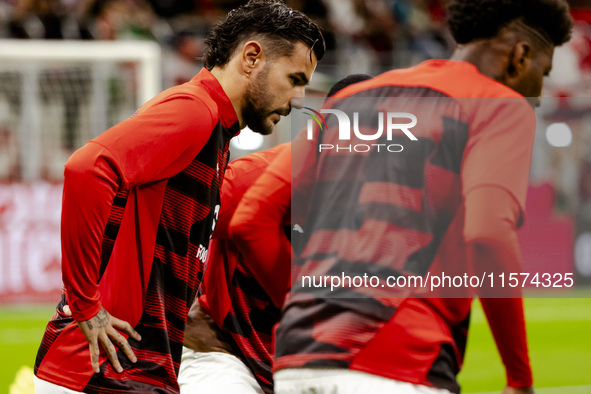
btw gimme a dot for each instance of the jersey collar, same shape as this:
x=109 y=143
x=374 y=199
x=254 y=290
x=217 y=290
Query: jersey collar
x=228 y=116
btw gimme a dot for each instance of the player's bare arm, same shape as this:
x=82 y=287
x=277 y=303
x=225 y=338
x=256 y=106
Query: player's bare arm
x=103 y=328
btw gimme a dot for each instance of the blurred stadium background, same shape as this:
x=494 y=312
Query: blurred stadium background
x=69 y=69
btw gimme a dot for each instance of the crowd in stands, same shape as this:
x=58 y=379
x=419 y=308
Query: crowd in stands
x=362 y=35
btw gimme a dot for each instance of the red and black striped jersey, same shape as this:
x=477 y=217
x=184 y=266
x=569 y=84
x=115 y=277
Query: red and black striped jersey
x=250 y=318
x=232 y=294
x=140 y=202
x=385 y=213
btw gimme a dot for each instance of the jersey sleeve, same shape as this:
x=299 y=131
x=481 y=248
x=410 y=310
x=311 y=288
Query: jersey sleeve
x=499 y=149
x=257 y=228
x=153 y=145
x=506 y=319
x=495 y=174
x=492 y=246
x=240 y=175
x=160 y=141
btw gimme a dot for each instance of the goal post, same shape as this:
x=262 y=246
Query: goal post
x=57 y=94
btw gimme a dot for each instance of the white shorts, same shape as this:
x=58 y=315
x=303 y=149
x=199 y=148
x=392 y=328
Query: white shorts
x=342 y=381
x=44 y=387
x=215 y=372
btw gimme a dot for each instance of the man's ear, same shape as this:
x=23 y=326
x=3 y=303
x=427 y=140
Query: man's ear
x=251 y=56
x=519 y=60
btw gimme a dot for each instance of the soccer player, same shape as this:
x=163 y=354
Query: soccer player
x=451 y=200
x=228 y=336
x=140 y=202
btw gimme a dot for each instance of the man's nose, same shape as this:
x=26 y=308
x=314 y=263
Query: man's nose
x=534 y=101
x=297 y=102
x=299 y=91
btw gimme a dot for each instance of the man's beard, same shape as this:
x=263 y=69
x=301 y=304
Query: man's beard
x=257 y=102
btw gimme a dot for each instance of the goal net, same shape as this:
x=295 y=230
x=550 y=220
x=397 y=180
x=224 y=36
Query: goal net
x=56 y=95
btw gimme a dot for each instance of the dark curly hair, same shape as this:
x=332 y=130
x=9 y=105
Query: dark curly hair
x=346 y=81
x=470 y=20
x=279 y=27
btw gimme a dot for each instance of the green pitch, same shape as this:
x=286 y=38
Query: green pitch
x=559 y=335
x=21 y=329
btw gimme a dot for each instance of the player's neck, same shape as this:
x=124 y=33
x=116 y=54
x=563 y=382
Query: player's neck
x=233 y=86
x=492 y=56
x=483 y=55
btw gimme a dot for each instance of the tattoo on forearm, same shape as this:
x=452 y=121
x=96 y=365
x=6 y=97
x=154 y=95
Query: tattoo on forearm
x=89 y=325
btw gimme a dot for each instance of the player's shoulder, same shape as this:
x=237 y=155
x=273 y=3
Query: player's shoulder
x=202 y=93
x=179 y=93
x=445 y=77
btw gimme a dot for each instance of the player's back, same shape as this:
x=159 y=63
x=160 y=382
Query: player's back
x=388 y=207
